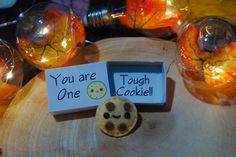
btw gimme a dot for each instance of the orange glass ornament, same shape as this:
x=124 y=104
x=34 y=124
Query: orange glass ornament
x=153 y=14
x=207 y=59
x=147 y=16
x=49 y=35
x=11 y=72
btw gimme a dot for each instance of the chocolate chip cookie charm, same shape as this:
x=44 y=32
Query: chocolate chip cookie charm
x=116 y=116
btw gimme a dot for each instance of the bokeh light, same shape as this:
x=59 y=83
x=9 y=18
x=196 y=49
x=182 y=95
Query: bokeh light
x=11 y=72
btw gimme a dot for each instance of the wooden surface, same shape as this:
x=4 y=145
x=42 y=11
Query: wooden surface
x=185 y=127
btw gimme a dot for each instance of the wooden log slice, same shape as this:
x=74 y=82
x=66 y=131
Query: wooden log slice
x=187 y=127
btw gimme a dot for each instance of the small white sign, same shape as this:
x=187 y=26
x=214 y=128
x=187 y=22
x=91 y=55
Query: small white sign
x=77 y=87
x=141 y=87
x=83 y=87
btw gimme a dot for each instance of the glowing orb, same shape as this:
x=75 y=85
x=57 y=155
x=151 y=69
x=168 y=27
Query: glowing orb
x=49 y=35
x=11 y=73
x=153 y=14
x=207 y=59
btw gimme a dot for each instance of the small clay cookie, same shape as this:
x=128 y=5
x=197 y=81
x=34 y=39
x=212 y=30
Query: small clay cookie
x=96 y=90
x=116 y=116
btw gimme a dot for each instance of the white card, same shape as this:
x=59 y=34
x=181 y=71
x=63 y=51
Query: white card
x=141 y=87
x=83 y=87
x=77 y=87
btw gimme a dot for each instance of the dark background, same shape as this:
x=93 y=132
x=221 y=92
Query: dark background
x=8 y=33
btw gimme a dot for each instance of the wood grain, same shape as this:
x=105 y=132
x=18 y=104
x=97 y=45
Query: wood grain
x=190 y=128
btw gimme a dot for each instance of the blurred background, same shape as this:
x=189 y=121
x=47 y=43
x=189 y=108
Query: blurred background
x=197 y=8
x=7 y=33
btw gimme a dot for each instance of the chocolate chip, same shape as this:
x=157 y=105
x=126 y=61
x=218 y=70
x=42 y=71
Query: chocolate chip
x=127 y=107
x=110 y=106
x=122 y=127
x=109 y=126
x=106 y=115
x=127 y=115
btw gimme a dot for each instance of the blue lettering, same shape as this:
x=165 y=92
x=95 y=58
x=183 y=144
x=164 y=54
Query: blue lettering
x=61 y=95
x=123 y=78
x=67 y=94
x=118 y=91
x=55 y=78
